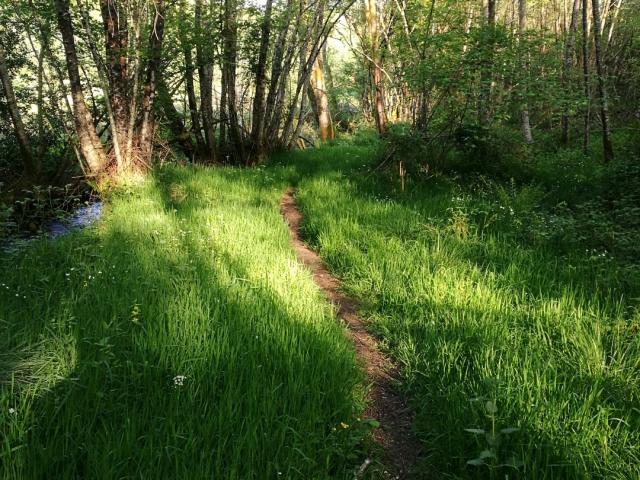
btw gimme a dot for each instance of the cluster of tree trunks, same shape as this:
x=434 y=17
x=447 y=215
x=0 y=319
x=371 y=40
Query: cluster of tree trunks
x=288 y=76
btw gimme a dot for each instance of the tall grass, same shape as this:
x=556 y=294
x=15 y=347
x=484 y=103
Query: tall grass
x=521 y=358
x=178 y=339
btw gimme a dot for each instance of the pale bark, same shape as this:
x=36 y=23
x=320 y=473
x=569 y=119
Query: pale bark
x=28 y=160
x=88 y=141
x=486 y=69
x=585 y=75
x=522 y=26
x=371 y=16
x=320 y=99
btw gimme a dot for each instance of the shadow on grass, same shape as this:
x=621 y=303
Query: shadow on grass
x=550 y=339
x=181 y=370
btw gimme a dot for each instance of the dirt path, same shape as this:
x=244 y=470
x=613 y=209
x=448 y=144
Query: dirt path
x=385 y=405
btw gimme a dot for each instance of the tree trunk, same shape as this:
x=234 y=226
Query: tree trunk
x=602 y=87
x=566 y=69
x=320 y=99
x=156 y=36
x=88 y=141
x=176 y=124
x=371 y=15
x=486 y=70
x=205 y=75
x=585 y=75
x=191 y=97
x=258 y=114
x=116 y=26
x=28 y=160
x=230 y=47
x=522 y=26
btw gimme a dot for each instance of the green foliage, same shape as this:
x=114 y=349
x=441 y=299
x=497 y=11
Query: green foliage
x=469 y=276
x=179 y=338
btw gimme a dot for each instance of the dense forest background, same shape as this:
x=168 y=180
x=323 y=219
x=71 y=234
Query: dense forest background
x=107 y=87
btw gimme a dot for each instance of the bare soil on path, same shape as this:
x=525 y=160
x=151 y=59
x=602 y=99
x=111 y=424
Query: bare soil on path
x=384 y=403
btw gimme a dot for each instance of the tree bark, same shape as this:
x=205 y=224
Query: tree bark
x=88 y=141
x=522 y=26
x=602 y=88
x=116 y=31
x=486 y=70
x=566 y=69
x=31 y=168
x=230 y=47
x=156 y=37
x=191 y=98
x=320 y=99
x=371 y=15
x=258 y=114
x=205 y=75
x=176 y=124
x=585 y=75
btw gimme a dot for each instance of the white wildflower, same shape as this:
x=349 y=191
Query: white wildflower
x=178 y=380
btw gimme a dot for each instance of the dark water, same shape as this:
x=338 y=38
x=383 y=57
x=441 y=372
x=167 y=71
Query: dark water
x=82 y=217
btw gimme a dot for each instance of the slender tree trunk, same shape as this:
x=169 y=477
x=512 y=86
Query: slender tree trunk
x=320 y=99
x=602 y=88
x=205 y=75
x=277 y=60
x=522 y=26
x=116 y=30
x=42 y=145
x=258 y=117
x=191 y=98
x=230 y=47
x=104 y=83
x=585 y=75
x=31 y=168
x=371 y=15
x=486 y=71
x=567 y=67
x=156 y=36
x=88 y=141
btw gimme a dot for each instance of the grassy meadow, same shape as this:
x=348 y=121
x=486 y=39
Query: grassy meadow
x=177 y=339
x=180 y=338
x=518 y=339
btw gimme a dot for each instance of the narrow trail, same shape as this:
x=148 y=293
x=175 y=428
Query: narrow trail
x=384 y=404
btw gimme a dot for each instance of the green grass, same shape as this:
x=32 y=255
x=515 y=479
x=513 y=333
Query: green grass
x=496 y=323
x=181 y=339
x=189 y=274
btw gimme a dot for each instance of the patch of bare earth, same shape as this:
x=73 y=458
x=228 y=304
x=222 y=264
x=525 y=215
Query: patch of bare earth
x=384 y=403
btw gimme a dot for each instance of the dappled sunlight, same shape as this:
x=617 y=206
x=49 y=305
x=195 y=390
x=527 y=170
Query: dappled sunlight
x=190 y=316
x=482 y=317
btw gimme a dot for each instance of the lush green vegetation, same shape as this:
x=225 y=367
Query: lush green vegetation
x=506 y=304
x=178 y=339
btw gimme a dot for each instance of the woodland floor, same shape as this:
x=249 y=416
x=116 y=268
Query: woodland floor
x=184 y=336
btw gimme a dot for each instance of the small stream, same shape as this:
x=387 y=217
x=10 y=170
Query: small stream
x=82 y=217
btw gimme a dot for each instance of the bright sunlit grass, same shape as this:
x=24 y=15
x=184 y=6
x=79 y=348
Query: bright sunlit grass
x=178 y=339
x=513 y=354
